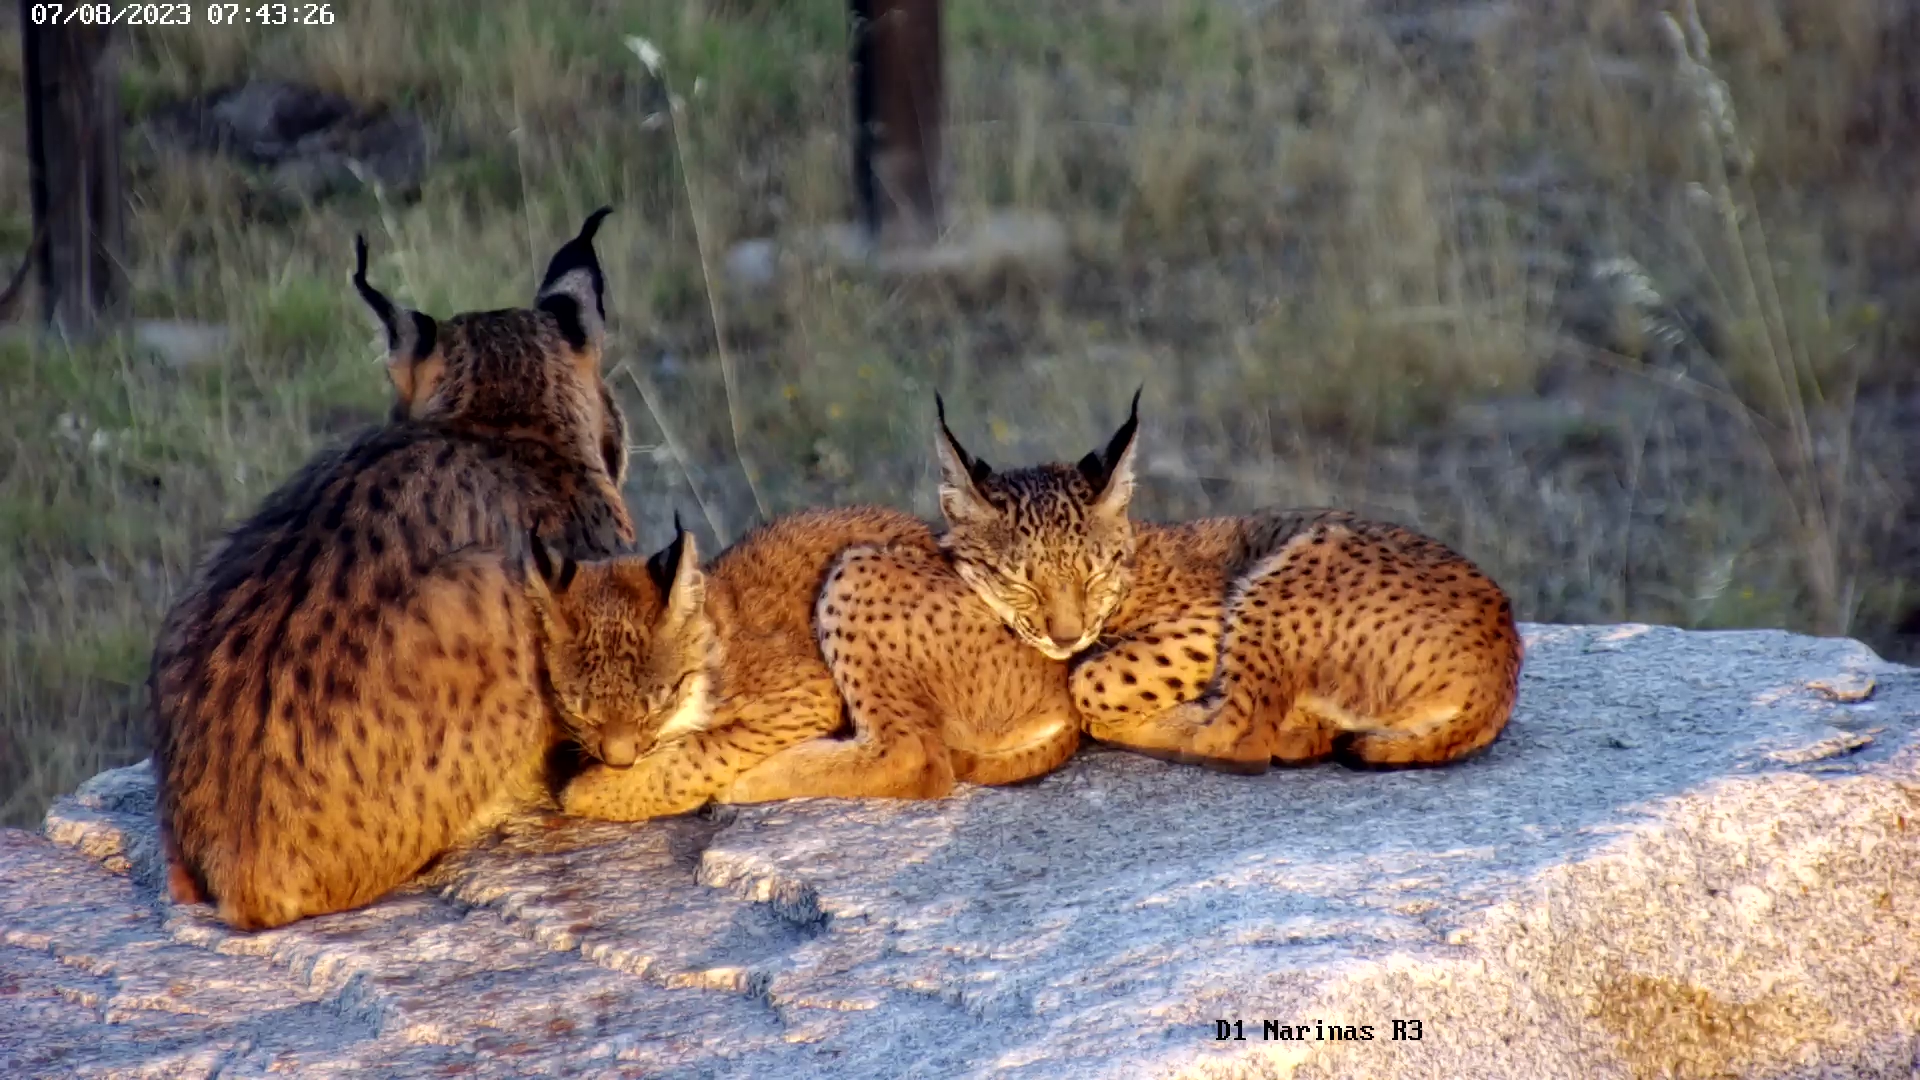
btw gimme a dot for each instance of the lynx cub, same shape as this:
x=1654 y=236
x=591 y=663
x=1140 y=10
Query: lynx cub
x=347 y=687
x=1286 y=634
x=732 y=677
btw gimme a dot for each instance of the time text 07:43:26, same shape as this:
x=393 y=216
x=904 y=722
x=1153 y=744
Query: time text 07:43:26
x=178 y=14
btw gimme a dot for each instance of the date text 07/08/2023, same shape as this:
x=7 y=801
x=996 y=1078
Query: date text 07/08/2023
x=180 y=14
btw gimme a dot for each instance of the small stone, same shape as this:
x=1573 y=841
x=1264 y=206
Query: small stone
x=183 y=344
x=1836 y=746
x=972 y=249
x=1849 y=689
x=753 y=263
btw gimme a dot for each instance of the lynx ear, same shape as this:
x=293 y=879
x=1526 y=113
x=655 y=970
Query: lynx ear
x=574 y=291
x=549 y=574
x=412 y=362
x=1110 y=471
x=675 y=570
x=961 y=474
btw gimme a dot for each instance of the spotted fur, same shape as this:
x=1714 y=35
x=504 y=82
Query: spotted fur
x=348 y=685
x=734 y=677
x=1288 y=634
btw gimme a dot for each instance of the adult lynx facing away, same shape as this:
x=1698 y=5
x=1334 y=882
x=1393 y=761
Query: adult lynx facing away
x=1285 y=634
x=346 y=688
x=731 y=678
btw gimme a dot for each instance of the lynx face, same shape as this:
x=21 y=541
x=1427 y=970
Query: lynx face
x=628 y=646
x=1049 y=548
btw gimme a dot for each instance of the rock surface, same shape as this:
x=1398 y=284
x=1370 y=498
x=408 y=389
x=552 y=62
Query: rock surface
x=1691 y=855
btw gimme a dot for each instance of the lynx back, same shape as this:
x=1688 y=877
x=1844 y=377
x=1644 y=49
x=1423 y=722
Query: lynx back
x=348 y=685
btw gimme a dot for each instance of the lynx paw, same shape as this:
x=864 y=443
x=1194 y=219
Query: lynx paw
x=633 y=794
x=181 y=888
x=1192 y=732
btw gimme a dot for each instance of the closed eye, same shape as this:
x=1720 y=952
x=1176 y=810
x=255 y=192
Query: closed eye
x=1023 y=591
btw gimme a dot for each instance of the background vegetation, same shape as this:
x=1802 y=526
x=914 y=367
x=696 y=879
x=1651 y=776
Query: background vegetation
x=1632 y=330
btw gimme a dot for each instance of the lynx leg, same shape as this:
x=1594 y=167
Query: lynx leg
x=651 y=787
x=1145 y=673
x=1278 y=621
x=683 y=775
x=182 y=887
x=1437 y=731
x=1222 y=719
x=888 y=622
x=1053 y=744
x=893 y=762
x=1455 y=693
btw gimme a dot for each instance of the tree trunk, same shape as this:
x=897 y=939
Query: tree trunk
x=897 y=107
x=73 y=150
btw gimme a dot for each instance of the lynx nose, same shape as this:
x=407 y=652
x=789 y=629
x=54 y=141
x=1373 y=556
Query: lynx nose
x=1064 y=627
x=619 y=744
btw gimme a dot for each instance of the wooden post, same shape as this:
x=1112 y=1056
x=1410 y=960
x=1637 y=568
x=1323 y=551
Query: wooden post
x=73 y=154
x=897 y=116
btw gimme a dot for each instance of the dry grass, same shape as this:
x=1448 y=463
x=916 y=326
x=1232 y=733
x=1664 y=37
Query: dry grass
x=1488 y=274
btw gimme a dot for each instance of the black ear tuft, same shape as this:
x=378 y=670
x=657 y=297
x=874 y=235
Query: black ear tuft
x=412 y=339
x=977 y=470
x=383 y=308
x=1118 y=444
x=592 y=225
x=662 y=566
x=1098 y=468
x=565 y=303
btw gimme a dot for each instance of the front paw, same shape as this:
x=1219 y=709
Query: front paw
x=181 y=887
x=1105 y=730
x=1175 y=729
x=1192 y=733
x=594 y=793
x=1221 y=746
x=632 y=794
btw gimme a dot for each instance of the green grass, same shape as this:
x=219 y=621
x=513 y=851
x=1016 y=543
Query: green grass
x=1350 y=264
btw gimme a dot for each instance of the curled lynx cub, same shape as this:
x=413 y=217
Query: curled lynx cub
x=1285 y=634
x=732 y=677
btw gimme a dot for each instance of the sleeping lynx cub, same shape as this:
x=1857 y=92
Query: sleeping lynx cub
x=1284 y=634
x=732 y=677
